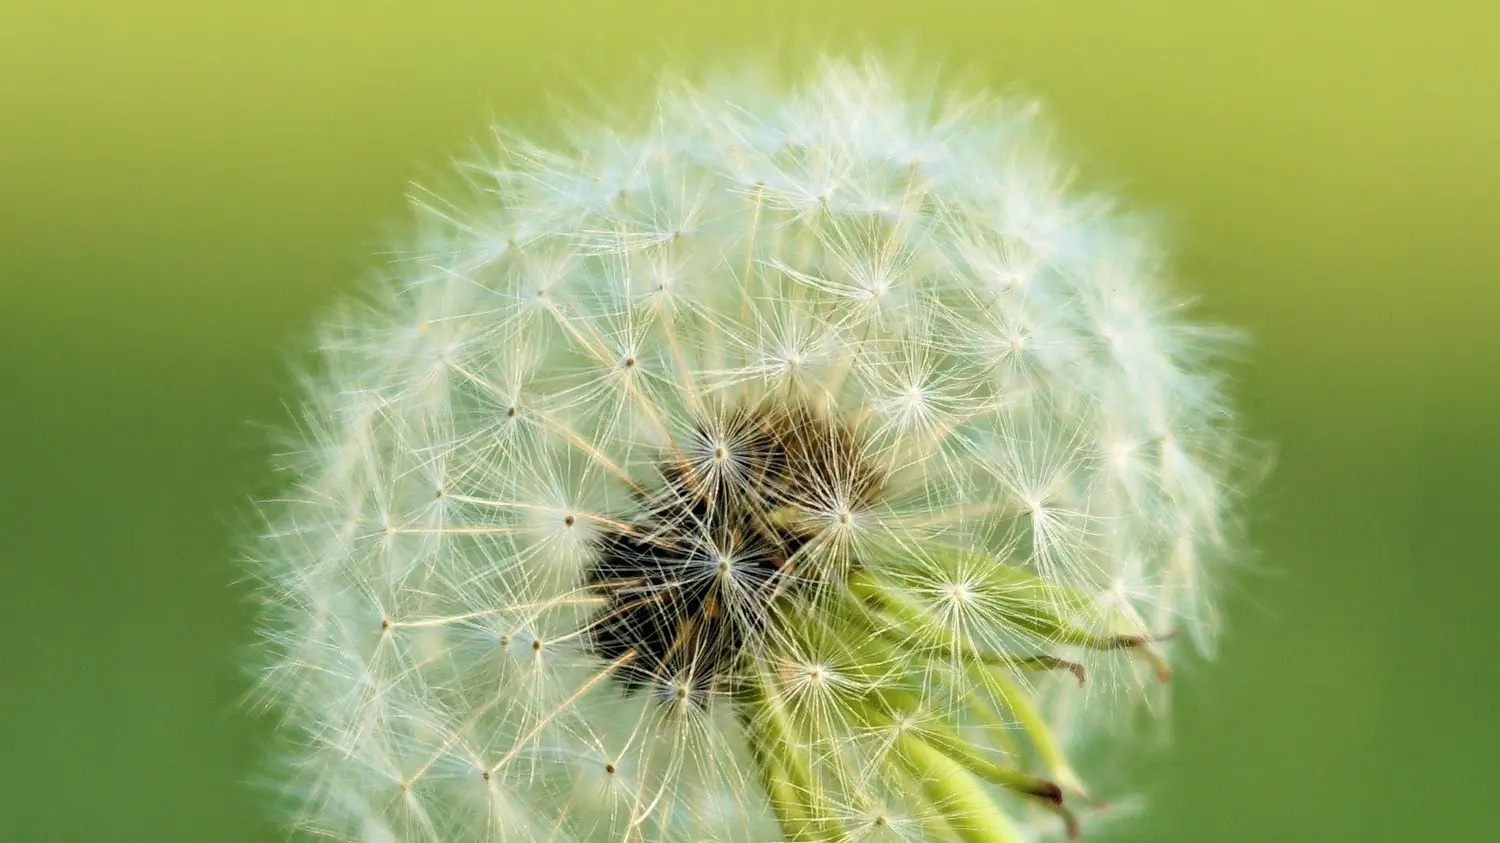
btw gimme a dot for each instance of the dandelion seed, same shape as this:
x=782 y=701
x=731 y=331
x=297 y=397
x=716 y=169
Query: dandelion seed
x=779 y=470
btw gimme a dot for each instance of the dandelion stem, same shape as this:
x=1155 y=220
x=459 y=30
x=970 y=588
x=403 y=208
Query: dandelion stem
x=910 y=618
x=939 y=734
x=953 y=746
x=955 y=793
x=785 y=765
x=1000 y=687
x=881 y=705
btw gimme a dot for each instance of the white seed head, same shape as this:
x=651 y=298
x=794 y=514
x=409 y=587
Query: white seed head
x=736 y=476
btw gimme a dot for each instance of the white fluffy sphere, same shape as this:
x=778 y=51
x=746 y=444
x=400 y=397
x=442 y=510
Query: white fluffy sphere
x=747 y=475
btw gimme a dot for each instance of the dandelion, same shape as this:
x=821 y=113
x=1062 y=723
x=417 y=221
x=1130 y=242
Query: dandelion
x=809 y=465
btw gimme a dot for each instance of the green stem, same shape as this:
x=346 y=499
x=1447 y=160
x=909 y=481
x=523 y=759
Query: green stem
x=956 y=794
x=874 y=622
x=938 y=735
x=1031 y=722
x=913 y=618
x=786 y=767
x=879 y=706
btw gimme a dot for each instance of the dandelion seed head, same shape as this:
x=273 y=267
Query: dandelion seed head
x=722 y=476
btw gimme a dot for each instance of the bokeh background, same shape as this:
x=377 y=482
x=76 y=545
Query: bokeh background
x=185 y=184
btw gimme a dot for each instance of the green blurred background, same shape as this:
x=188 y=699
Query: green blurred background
x=183 y=185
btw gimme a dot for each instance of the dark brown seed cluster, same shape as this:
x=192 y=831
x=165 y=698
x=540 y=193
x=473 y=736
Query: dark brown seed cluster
x=695 y=581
